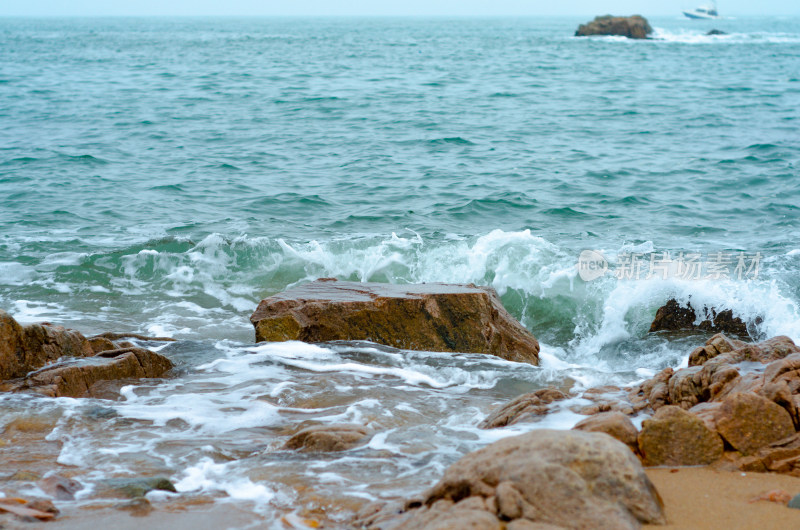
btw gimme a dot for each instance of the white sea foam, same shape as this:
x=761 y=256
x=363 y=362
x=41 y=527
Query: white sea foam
x=701 y=37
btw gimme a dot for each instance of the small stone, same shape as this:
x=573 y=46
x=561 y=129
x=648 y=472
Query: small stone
x=139 y=487
x=140 y=507
x=795 y=502
x=43 y=505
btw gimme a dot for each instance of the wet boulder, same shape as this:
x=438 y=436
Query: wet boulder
x=673 y=316
x=527 y=407
x=56 y=362
x=60 y=488
x=432 y=317
x=84 y=377
x=633 y=27
x=733 y=351
x=326 y=438
x=542 y=479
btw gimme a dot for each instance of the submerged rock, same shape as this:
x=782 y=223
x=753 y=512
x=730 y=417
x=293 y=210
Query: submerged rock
x=26 y=348
x=527 y=407
x=433 y=316
x=633 y=27
x=139 y=486
x=542 y=479
x=673 y=316
x=28 y=356
x=60 y=488
x=324 y=438
x=715 y=32
x=79 y=378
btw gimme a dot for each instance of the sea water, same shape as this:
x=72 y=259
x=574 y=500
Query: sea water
x=161 y=176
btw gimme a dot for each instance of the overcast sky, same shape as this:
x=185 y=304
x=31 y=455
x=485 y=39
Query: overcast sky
x=387 y=7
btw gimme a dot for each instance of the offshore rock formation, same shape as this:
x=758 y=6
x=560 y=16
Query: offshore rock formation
x=674 y=317
x=432 y=316
x=542 y=479
x=28 y=356
x=634 y=27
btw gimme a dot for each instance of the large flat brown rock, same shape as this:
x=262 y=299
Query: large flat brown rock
x=430 y=317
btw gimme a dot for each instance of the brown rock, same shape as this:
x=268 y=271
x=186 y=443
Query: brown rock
x=634 y=27
x=716 y=345
x=672 y=316
x=707 y=412
x=77 y=378
x=725 y=350
x=673 y=437
x=101 y=344
x=60 y=488
x=527 y=407
x=713 y=376
x=27 y=348
x=443 y=515
x=323 y=438
x=655 y=391
x=782 y=456
x=749 y=422
x=614 y=424
x=567 y=478
x=434 y=317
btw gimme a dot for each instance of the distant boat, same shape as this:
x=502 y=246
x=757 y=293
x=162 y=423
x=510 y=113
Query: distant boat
x=707 y=11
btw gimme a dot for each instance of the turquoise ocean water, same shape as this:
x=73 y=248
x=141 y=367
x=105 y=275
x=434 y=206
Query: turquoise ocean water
x=164 y=175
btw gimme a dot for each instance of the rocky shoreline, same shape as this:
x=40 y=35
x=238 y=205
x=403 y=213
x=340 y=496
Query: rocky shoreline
x=736 y=407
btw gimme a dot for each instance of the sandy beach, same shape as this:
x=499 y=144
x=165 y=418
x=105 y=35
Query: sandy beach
x=702 y=498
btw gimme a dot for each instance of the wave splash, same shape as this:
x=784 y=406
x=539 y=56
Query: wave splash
x=207 y=289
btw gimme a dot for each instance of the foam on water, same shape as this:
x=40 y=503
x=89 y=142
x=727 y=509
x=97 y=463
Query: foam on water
x=688 y=36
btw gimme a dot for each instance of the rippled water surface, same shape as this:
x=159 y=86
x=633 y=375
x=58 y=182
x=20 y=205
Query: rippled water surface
x=163 y=175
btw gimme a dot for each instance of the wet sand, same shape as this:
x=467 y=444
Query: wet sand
x=704 y=499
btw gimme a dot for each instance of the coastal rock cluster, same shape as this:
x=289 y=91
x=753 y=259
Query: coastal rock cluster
x=59 y=362
x=673 y=316
x=737 y=405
